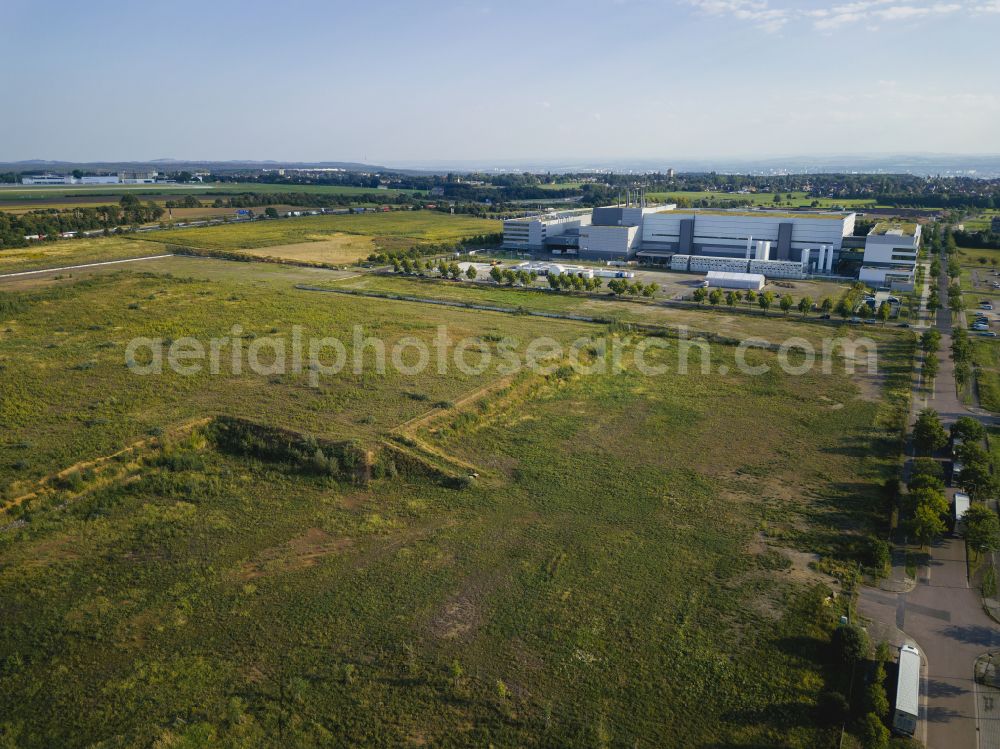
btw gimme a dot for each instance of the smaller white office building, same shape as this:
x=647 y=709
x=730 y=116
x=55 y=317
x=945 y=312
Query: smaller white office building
x=891 y=250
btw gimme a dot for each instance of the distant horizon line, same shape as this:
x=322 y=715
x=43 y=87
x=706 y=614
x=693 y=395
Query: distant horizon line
x=537 y=159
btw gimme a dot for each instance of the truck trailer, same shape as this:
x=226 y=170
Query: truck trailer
x=904 y=717
x=961 y=504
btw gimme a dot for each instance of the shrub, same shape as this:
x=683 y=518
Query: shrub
x=873 y=734
x=832 y=708
x=850 y=643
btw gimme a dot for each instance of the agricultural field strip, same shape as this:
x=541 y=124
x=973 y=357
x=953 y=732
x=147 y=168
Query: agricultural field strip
x=85 y=265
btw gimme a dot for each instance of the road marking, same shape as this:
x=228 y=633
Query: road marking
x=86 y=265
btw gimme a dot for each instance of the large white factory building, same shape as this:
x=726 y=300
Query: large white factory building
x=778 y=244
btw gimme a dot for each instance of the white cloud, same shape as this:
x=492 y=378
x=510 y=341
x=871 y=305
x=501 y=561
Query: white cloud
x=757 y=12
x=763 y=15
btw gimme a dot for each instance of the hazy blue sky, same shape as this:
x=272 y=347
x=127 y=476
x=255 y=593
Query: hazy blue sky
x=393 y=82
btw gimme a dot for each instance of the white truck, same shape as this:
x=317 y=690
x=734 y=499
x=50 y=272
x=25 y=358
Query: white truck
x=961 y=507
x=904 y=717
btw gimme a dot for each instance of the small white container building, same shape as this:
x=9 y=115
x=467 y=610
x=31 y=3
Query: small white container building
x=727 y=280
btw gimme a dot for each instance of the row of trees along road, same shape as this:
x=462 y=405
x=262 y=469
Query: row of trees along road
x=844 y=307
x=926 y=500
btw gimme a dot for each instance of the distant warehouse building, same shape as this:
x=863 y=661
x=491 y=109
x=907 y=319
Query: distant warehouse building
x=47 y=179
x=67 y=179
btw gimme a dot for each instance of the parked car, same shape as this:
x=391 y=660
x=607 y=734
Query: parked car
x=989 y=334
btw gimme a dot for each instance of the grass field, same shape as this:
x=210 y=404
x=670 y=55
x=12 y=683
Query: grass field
x=28 y=192
x=986 y=359
x=394 y=229
x=762 y=199
x=631 y=568
x=976 y=280
x=202 y=191
x=74 y=252
x=774 y=326
x=336 y=248
x=89 y=404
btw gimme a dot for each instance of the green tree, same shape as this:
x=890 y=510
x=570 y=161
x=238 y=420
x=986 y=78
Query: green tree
x=850 y=643
x=930 y=368
x=927 y=467
x=968 y=429
x=972 y=453
x=826 y=305
x=496 y=274
x=844 y=308
x=962 y=373
x=731 y=299
x=786 y=303
x=750 y=296
x=765 y=300
x=928 y=496
x=927 y=524
x=715 y=297
x=873 y=733
x=930 y=340
x=700 y=294
x=884 y=310
x=805 y=305
x=881 y=556
x=928 y=434
x=471 y=272
x=877 y=699
x=977 y=480
x=982 y=528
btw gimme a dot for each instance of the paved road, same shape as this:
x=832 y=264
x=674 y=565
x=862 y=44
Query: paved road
x=943 y=614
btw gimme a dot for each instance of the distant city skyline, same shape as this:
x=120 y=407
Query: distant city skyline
x=401 y=84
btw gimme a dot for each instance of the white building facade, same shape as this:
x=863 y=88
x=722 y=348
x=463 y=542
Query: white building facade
x=531 y=232
x=891 y=251
x=727 y=234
